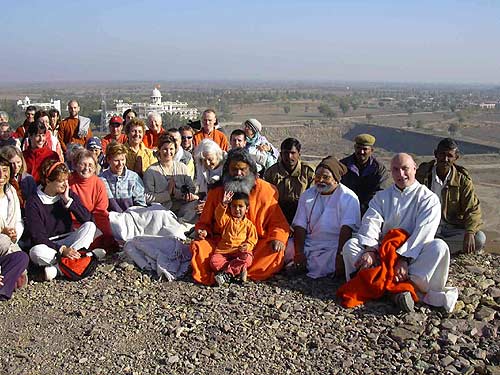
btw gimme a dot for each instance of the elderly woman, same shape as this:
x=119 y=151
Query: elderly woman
x=38 y=151
x=49 y=215
x=139 y=157
x=209 y=161
x=168 y=182
x=92 y=192
x=264 y=153
x=326 y=216
x=23 y=182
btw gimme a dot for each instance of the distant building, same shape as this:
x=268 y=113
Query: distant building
x=26 y=102
x=181 y=109
x=487 y=105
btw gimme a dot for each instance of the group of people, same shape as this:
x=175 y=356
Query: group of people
x=256 y=211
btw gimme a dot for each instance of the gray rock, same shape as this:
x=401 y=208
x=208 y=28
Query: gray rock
x=402 y=334
x=447 y=361
x=476 y=270
x=494 y=292
x=485 y=314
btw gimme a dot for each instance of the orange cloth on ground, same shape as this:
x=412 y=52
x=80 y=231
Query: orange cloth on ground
x=216 y=135
x=264 y=212
x=372 y=283
x=234 y=232
x=150 y=139
x=68 y=133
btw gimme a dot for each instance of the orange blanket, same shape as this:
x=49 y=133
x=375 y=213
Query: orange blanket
x=372 y=283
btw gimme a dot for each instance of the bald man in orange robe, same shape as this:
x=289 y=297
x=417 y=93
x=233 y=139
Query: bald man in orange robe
x=239 y=174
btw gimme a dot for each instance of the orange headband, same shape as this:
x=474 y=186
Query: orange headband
x=54 y=166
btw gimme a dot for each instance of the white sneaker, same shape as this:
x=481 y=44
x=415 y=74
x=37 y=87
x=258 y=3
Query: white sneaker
x=99 y=253
x=50 y=273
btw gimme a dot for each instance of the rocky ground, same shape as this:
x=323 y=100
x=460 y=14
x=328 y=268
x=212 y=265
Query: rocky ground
x=120 y=321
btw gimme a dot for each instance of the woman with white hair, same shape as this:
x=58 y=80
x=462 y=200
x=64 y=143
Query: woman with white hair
x=209 y=160
x=263 y=152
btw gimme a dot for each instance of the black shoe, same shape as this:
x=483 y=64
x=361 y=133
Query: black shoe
x=404 y=301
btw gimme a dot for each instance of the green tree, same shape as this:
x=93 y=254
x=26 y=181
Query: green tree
x=327 y=111
x=286 y=108
x=369 y=117
x=344 y=106
x=173 y=121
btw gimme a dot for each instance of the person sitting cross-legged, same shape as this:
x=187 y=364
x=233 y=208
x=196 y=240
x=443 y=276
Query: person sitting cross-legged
x=326 y=216
x=240 y=175
x=420 y=261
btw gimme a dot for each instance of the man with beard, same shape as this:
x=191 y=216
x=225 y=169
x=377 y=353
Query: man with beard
x=75 y=128
x=365 y=175
x=412 y=208
x=461 y=212
x=327 y=214
x=240 y=175
x=291 y=176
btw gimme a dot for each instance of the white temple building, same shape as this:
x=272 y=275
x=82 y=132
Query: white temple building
x=26 y=102
x=181 y=109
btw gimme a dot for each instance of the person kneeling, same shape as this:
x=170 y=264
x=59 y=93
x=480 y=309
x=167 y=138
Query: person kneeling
x=233 y=253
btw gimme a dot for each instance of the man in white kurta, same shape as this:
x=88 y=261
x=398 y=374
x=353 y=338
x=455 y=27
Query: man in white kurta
x=327 y=213
x=323 y=216
x=413 y=207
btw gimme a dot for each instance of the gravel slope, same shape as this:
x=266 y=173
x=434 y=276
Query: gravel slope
x=122 y=322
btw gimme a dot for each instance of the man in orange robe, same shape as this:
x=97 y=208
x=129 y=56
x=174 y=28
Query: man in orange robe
x=155 y=129
x=240 y=175
x=75 y=128
x=208 y=122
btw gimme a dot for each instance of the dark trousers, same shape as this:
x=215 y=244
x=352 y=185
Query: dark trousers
x=13 y=265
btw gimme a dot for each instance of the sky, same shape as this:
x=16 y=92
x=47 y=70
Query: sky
x=423 y=41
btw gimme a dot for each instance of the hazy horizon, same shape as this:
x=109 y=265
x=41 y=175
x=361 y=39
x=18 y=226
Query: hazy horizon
x=414 y=42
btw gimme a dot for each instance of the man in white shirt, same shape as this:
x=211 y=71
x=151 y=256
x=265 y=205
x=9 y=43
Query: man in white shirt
x=423 y=260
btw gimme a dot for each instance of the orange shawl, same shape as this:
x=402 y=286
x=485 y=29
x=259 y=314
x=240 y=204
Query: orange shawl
x=372 y=283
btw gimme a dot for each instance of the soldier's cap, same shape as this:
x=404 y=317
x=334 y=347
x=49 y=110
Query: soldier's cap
x=365 y=140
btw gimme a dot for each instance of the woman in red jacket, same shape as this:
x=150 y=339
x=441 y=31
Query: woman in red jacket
x=37 y=151
x=92 y=192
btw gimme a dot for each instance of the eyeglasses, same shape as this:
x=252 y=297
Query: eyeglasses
x=187 y=137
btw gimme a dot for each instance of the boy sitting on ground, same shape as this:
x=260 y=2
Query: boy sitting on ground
x=233 y=253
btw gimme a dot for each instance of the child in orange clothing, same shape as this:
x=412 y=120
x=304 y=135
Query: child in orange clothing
x=233 y=254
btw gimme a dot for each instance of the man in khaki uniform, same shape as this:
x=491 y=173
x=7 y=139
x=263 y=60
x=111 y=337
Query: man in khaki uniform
x=461 y=212
x=290 y=176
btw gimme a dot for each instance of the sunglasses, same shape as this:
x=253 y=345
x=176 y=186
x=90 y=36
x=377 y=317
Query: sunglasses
x=187 y=137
